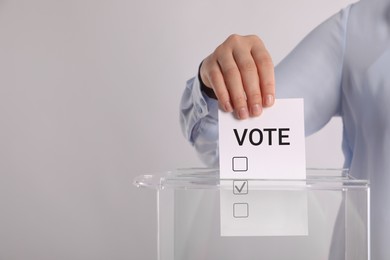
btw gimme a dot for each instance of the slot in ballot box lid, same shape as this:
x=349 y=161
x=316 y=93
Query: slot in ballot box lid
x=206 y=178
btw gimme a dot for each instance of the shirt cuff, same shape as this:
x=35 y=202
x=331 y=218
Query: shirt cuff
x=208 y=91
x=204 y=104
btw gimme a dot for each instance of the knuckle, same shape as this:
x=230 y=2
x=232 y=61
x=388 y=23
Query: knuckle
x=214 y=75
x=231 y=72
x=208 y=60
x=268 y=85
x=219 y=51
x=248 y=66
x=254 y=97
x=222 y=96
x=254 y=38
x=267 y=61
x=239 y=100
x=265 y=58
x=233 y=39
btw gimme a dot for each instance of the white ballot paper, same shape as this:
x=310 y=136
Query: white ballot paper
x=252 y=151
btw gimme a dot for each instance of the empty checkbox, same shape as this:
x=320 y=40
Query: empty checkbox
x=240 y=164
x=240 y=210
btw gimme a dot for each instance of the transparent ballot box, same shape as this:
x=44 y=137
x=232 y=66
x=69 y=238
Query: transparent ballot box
x=200 y=216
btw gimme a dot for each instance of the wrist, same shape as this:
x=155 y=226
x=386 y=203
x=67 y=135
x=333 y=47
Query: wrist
x=205 y=89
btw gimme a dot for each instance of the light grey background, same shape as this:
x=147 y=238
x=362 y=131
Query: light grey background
x=89 y=96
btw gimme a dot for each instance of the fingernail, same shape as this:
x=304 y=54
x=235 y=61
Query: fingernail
x=269 y=100
x=228 y=107
x=256 y=110
x=243 y=113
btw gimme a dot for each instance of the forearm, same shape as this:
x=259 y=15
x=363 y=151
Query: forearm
x=199 y=122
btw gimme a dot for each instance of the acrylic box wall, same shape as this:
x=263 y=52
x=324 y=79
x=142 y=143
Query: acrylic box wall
x=190 y=214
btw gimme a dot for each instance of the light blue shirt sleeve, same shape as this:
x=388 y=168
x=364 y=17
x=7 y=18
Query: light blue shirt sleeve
x=313 y=71
x=199 y=122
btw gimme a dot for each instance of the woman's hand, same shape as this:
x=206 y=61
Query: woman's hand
x=241 y=73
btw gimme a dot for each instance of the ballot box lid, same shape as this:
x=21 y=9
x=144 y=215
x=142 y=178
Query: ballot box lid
x=206 y=178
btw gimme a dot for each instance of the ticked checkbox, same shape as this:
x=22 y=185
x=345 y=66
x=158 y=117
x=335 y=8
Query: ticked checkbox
x=240 y=210
x=240 y=187
x=240 y=164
